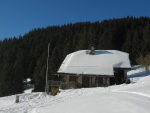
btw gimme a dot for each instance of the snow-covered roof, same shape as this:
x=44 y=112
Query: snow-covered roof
x=102 y=62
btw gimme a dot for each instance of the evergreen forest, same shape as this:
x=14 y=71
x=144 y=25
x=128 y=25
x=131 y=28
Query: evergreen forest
x=25 y=56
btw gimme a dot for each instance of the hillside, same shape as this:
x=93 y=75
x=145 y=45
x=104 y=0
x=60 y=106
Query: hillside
x=25 y=56
x=125 y=98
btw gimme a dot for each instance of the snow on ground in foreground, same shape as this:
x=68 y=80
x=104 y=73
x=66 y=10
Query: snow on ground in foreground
x=125 y=98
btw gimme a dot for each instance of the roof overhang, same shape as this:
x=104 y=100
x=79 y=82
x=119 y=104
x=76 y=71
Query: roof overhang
x=75 y=74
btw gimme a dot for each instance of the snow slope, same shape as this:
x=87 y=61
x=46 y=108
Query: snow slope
x=125 y=98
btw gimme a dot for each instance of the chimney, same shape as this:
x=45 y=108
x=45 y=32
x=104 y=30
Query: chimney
x=92 y=51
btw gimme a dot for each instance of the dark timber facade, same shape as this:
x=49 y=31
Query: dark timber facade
x=85 y=80
x=82 y=69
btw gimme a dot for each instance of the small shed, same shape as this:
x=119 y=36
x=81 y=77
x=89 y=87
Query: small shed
x=94 y=68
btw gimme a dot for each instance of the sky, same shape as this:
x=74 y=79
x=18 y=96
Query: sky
x=18 y=17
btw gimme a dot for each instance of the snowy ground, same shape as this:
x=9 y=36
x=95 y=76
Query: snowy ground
x=125 y=98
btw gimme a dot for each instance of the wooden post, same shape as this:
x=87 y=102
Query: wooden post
x=17 y=98
x=46 y=85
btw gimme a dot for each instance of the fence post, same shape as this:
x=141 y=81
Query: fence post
x=17 y=98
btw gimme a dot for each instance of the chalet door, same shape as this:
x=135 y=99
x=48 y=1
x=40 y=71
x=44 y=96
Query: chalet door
x=85 y=81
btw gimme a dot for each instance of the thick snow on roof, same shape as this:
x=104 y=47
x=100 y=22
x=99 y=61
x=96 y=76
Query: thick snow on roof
x=101 y=63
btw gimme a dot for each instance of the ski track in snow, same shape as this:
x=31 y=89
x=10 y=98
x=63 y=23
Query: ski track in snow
x=30 y=102
x=136 y=93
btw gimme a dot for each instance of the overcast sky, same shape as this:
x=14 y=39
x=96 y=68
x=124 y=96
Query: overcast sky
x=18 y=17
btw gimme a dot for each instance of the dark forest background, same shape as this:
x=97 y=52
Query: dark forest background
x=25 y=56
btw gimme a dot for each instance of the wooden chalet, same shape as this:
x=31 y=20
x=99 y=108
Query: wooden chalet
x=93 y=68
